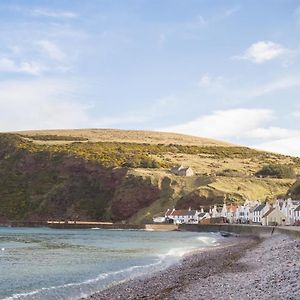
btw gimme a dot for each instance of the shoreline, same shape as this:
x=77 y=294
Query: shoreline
x=162 y=284
x=244 y=268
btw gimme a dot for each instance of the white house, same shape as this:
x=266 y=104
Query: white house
x=297 y=214
x=181 y=216
x=242 y=214
x=259 y=211
x=214 y=212
x=231 y=213
x=224 y=211
x=236 y=214
x=182 y=171
x=159 y=219
x=287 y=207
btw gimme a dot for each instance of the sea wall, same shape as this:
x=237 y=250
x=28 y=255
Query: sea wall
x=256 y=230
x=161 y=227
x=74 y=225
x=93 y=225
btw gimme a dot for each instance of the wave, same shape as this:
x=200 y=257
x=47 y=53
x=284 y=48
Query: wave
x=87 y=287
x=208 y=241
x=119 y=229
x=77 y=290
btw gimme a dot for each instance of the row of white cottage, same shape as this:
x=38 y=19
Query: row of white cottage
x=282 y=212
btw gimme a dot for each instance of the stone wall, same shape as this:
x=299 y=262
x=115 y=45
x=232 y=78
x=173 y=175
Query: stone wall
x=257 y=230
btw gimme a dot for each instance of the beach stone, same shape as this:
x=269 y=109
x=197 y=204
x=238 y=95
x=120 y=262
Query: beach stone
x=244 y=268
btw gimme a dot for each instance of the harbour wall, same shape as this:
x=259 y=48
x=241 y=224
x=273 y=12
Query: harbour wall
x=161 y=227
x=74 y=225
x=256 y=230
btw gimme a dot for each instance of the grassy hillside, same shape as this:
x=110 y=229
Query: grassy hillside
x=124 y=175
x=123 y=136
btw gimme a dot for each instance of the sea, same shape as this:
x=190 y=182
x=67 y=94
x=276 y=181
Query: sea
x=45 y=263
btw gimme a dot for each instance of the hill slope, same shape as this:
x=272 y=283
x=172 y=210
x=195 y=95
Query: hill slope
x=123 y=136
x=116 y=175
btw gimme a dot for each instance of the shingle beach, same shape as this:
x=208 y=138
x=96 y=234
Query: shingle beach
x=244 y=268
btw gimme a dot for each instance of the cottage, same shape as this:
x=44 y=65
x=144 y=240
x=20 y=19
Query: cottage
x=224 y=211
x=297 y=214
x=242 y=214
x=259 y=211
x=182 y=171
x=288 y=207
x=273 y=217
x=159 y=219
x=203 y=216
x=214 y=212
x=181 y=216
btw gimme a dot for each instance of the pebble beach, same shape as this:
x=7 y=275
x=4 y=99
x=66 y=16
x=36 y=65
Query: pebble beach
x=242 y=268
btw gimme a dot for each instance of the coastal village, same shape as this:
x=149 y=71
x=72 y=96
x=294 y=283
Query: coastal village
x=282 y=212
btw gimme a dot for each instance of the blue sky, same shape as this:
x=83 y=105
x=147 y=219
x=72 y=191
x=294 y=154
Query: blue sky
x=228 y=70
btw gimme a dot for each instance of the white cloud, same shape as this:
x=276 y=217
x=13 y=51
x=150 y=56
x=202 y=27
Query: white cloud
x=246 y=125
x=264 y=51
x=41 y=104
x=52 y=104
x=237 y=94
x=274 y=86
x=273 y=133
x=288 y=146
x=9 y=66
x=45 y=12
x=225 y=124
x=52 y=50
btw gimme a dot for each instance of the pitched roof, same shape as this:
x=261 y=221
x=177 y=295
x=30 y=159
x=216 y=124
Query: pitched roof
x=179 y=168
x=297 y=208
x=260 y=207
x=268 y=212
x=201 y=215
x=179 y=212
x=183 y=212
x=168 y=212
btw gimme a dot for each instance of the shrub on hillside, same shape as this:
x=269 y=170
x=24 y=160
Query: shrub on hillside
x=295 y=190
x=276 y=171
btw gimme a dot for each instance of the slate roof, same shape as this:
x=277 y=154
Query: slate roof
x=260 y=207
x=183 y=212
x=268 y=212
x=201 y=215
x=297 y=208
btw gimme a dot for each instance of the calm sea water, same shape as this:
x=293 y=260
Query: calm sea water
x=43 y=263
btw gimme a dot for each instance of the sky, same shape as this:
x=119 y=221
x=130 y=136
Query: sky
x=228 y=70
